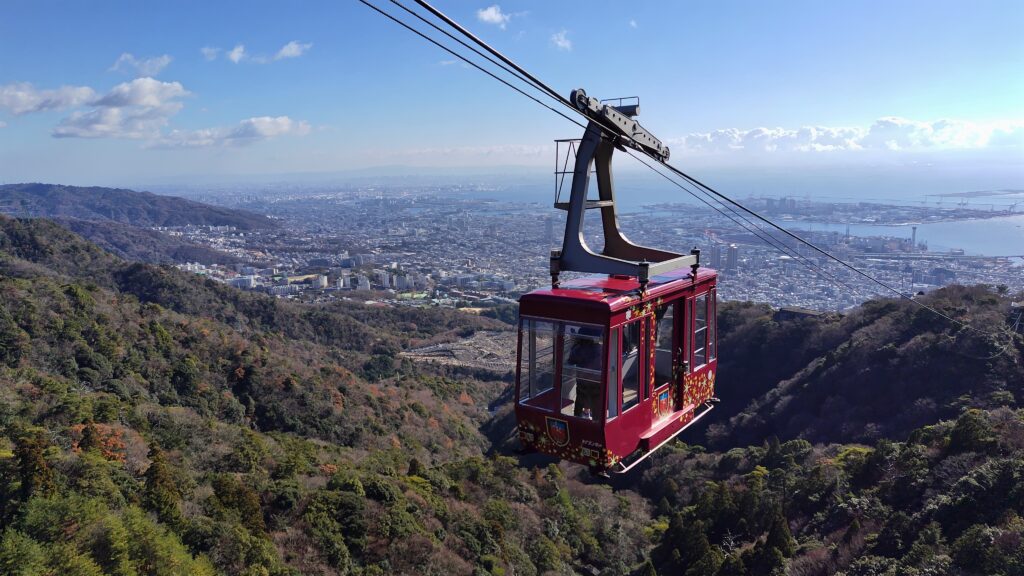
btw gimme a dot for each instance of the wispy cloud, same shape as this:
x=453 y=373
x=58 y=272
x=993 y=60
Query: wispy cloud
x=632 y=24
x=24 y=98
x=493 y=15
x=246 y=132
x=292 y=49
x=447 y=62
x=237 y=54
x=3 y=124
x=127 y=62
x=891 y=134
x=561 y=40
x=135 y=110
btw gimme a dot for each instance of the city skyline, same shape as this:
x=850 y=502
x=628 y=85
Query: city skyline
x=122 y=95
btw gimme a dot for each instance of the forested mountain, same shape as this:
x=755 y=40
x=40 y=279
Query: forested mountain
x=881 y=371
x=143 y=244
x=152 y=422
x=141 y=209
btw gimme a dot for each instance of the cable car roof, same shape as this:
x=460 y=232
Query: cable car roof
x=618 y=292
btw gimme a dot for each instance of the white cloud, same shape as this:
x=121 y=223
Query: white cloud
x=237 y=53
x=632 y=24
x=292 y=50
x=138 y=109
x=493 y=15
x=147 y=92
x=889 y=134
x=447 y=62
x=561 y=41
x=23 y=98
x=248 y=131
x=209 y=52
x=141 y=67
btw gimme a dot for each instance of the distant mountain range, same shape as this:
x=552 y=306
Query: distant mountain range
x=139 y=209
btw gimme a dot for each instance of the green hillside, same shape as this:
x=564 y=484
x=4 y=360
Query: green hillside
x=144 y=245
x=152 y=422
x=142 y=209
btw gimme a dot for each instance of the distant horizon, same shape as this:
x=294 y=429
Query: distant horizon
x=194 y=93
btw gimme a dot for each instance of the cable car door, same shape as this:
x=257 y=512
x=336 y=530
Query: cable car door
x=667 y=356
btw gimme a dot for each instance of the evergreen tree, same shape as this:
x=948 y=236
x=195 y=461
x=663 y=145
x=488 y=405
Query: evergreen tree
x=161 y=493
x=90 y=437
x=779 y=536
x=21 y=555
x=732 y=566
x=35 y=474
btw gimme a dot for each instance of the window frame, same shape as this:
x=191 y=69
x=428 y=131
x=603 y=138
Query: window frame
x=693 y=330
x=640 y=361
x=560 y=363
x=613 y=377
x=556 y=332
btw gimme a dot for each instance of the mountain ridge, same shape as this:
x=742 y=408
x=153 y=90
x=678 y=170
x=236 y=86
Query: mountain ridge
x=139 y=209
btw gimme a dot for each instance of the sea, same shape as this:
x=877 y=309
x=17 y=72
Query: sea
x=995 y=188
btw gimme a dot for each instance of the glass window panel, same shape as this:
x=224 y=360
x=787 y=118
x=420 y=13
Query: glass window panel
x=582 y=358
x=664 y=336
x=700 y=330
x=613 y=374
x=630 y=365
x=712 y=322
x=537 y=365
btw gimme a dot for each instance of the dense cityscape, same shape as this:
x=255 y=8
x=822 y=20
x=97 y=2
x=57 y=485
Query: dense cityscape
x=456 y=246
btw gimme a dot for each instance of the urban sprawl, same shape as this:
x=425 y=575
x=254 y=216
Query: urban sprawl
x=453 y=246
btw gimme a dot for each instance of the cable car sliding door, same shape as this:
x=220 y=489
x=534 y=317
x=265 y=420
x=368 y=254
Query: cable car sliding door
x=668 y=350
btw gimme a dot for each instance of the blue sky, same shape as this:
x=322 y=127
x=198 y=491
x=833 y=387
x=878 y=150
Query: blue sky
x=134 y=92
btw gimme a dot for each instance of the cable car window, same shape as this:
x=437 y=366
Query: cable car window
x=613 y=374
x=663 y=349
x=537 y=367
x=712 y=321
x=700 y=330
x=631 y=365
x=582 y=358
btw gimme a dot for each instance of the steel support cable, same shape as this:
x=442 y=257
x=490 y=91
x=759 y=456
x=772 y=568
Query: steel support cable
x=463 y=58
x=504 y=67
x=614 y=134
x=472 y=37
x=764 y=235
x=825 y=253
x=528 y=78
x=778 y=246
x=517 y=71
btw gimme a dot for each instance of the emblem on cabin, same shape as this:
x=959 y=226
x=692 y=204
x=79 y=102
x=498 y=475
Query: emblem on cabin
x=664 y=403
x=558 y=431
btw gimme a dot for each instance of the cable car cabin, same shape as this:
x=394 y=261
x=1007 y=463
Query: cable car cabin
x=607 y=375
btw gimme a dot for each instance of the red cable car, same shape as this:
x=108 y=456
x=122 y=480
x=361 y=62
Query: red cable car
x=607 y=374
x=612 y=367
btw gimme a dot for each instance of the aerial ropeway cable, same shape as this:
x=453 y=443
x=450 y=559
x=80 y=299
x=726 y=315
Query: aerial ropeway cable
x=612 y=367
x=736 y=208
